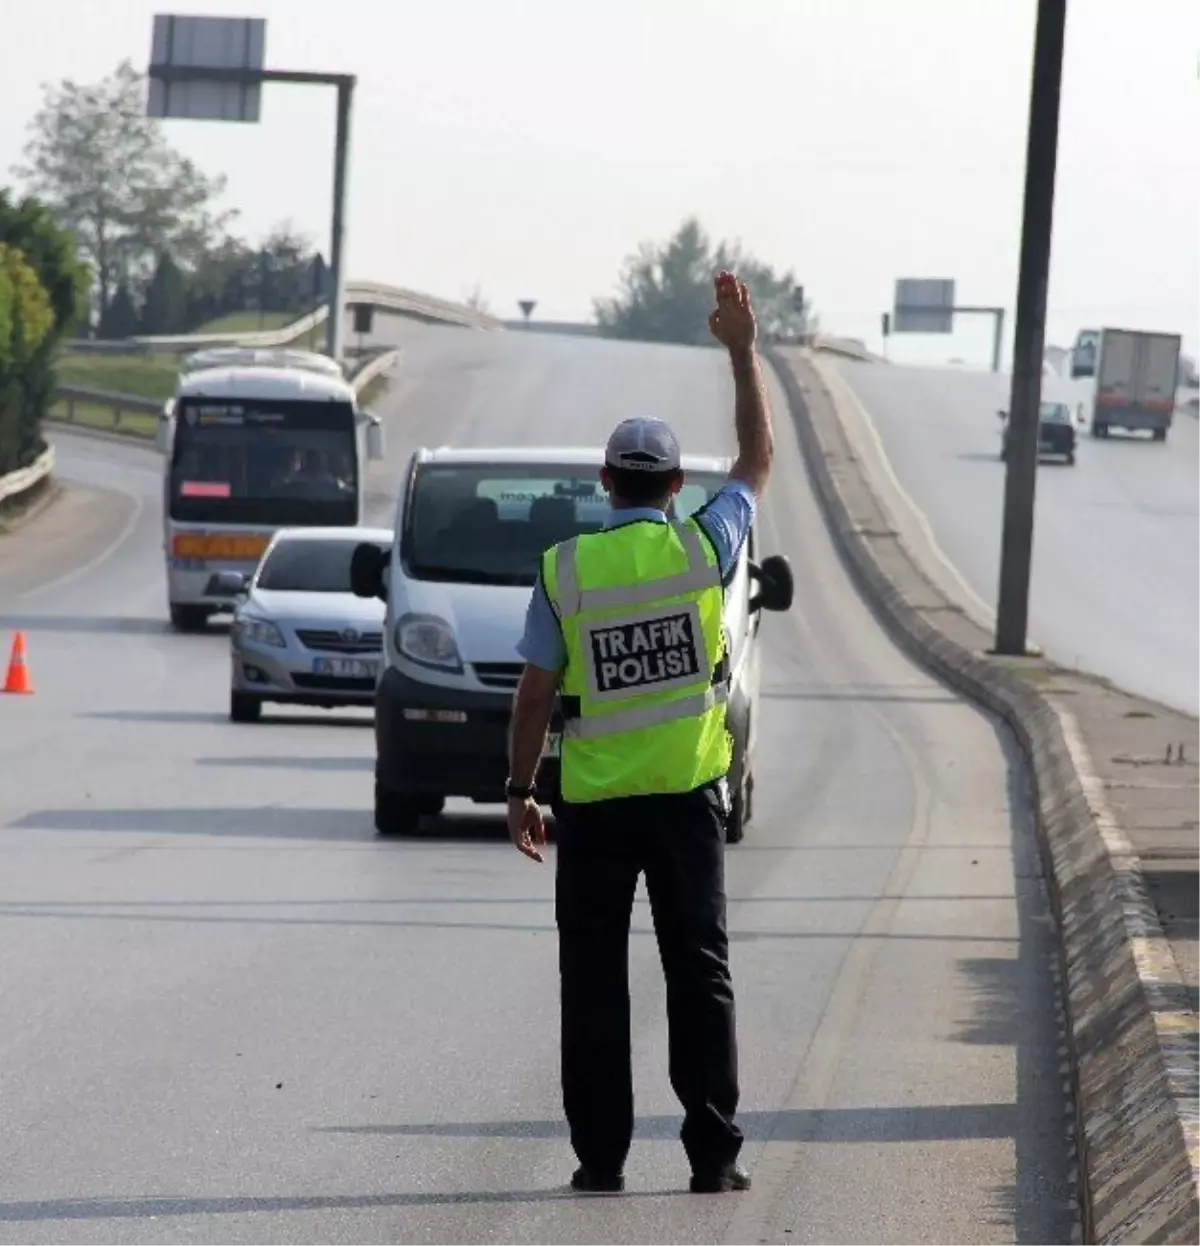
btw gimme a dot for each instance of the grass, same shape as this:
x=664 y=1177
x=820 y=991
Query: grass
x=248 y=322
x=142 y=424
x=154 y=376
x=98 y=415
x=146 y=376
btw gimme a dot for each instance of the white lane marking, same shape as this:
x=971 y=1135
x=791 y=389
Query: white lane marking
x=987 y=615
x=139 y=506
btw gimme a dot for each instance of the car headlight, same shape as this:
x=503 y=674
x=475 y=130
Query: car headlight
x=259 y=631
x=427 y=640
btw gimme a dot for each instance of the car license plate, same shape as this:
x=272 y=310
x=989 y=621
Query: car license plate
x=346 y=668
x=553 y=745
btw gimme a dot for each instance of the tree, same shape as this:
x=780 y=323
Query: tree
x=26 y=320
x=121 y=318
x=665 y=291
x=285 y=271
x=165 y=309
x=44 y=295
x=108 y=174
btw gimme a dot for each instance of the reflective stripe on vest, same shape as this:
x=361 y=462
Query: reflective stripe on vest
x=646 y=715
x=572 y=600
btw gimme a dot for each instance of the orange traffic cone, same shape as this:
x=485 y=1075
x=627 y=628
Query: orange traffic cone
x=18 y=673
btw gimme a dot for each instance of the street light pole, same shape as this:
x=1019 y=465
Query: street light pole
x=337 y=276
x=1016 y=551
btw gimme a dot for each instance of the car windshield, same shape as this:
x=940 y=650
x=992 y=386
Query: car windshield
x=308 y=566
x=490 y=524
x=1055 y=413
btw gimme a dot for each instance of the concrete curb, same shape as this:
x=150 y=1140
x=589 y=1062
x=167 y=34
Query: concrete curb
x=1132 y=1042
x=15 y=484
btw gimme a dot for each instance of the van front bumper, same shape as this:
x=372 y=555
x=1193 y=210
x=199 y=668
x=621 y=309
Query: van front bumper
x=434 y=741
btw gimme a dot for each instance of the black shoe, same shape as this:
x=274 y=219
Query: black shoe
x=723 y=1181
x=587 y=1182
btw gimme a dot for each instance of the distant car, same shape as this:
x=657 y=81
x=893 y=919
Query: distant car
x=300 y=636
x=1056 y=432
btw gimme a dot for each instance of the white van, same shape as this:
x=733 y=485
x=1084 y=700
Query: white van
x=471 y=526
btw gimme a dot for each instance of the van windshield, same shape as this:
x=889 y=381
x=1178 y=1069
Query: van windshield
x=484 y=524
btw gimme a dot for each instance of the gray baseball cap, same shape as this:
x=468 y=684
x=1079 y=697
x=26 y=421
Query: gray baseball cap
x=643 y=444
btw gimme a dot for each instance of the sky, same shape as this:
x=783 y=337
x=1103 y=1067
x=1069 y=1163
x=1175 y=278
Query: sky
x=523 y=148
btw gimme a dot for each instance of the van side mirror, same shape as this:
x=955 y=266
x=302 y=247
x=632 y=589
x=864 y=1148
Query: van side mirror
x=1002 y=415
x=375 y=438
x=162 y=434
x=367 y=565
x=776 y=587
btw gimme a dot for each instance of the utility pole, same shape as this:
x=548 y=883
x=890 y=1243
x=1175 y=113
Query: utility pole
x=1041 y=157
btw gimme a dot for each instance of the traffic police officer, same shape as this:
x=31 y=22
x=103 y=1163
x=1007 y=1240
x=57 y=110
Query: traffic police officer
x=626 y=625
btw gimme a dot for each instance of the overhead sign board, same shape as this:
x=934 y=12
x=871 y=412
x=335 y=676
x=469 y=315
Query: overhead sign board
x=923 y=305
x=231 y=45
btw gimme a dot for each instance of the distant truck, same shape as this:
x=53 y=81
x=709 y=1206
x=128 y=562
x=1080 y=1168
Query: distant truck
x=1136 y=376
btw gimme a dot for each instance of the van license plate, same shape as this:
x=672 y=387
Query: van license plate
x=346 y=668
x=553 y=745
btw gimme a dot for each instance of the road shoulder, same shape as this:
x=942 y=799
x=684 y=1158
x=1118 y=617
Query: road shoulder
x=70 y=528
x=1111 y=815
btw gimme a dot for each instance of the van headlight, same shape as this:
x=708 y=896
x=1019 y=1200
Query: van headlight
x=428 y=641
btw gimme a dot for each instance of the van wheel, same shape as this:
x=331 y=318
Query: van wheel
x=396 y=814
x=189 y=618
x=244 y=707
x=1098 y=429
x=1160 y=434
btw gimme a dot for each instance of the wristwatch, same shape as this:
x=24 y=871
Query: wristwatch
x=515 y=791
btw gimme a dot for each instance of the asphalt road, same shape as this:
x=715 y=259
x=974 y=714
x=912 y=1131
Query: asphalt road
x=1116 y=563
x=231 y=1014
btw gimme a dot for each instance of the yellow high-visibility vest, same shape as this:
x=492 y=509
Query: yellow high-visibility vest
x=645 y=687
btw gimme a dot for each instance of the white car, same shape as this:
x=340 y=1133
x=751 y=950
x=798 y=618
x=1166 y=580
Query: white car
x=300 y=636
x=471 y=526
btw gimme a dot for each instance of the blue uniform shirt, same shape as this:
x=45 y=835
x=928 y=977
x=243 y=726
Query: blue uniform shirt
x=726 y=521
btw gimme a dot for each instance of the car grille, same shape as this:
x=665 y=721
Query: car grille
x=332 y=683
x=332 y=641
x=498 y=674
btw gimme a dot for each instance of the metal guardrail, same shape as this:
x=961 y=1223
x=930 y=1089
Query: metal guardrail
x=391 y=299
